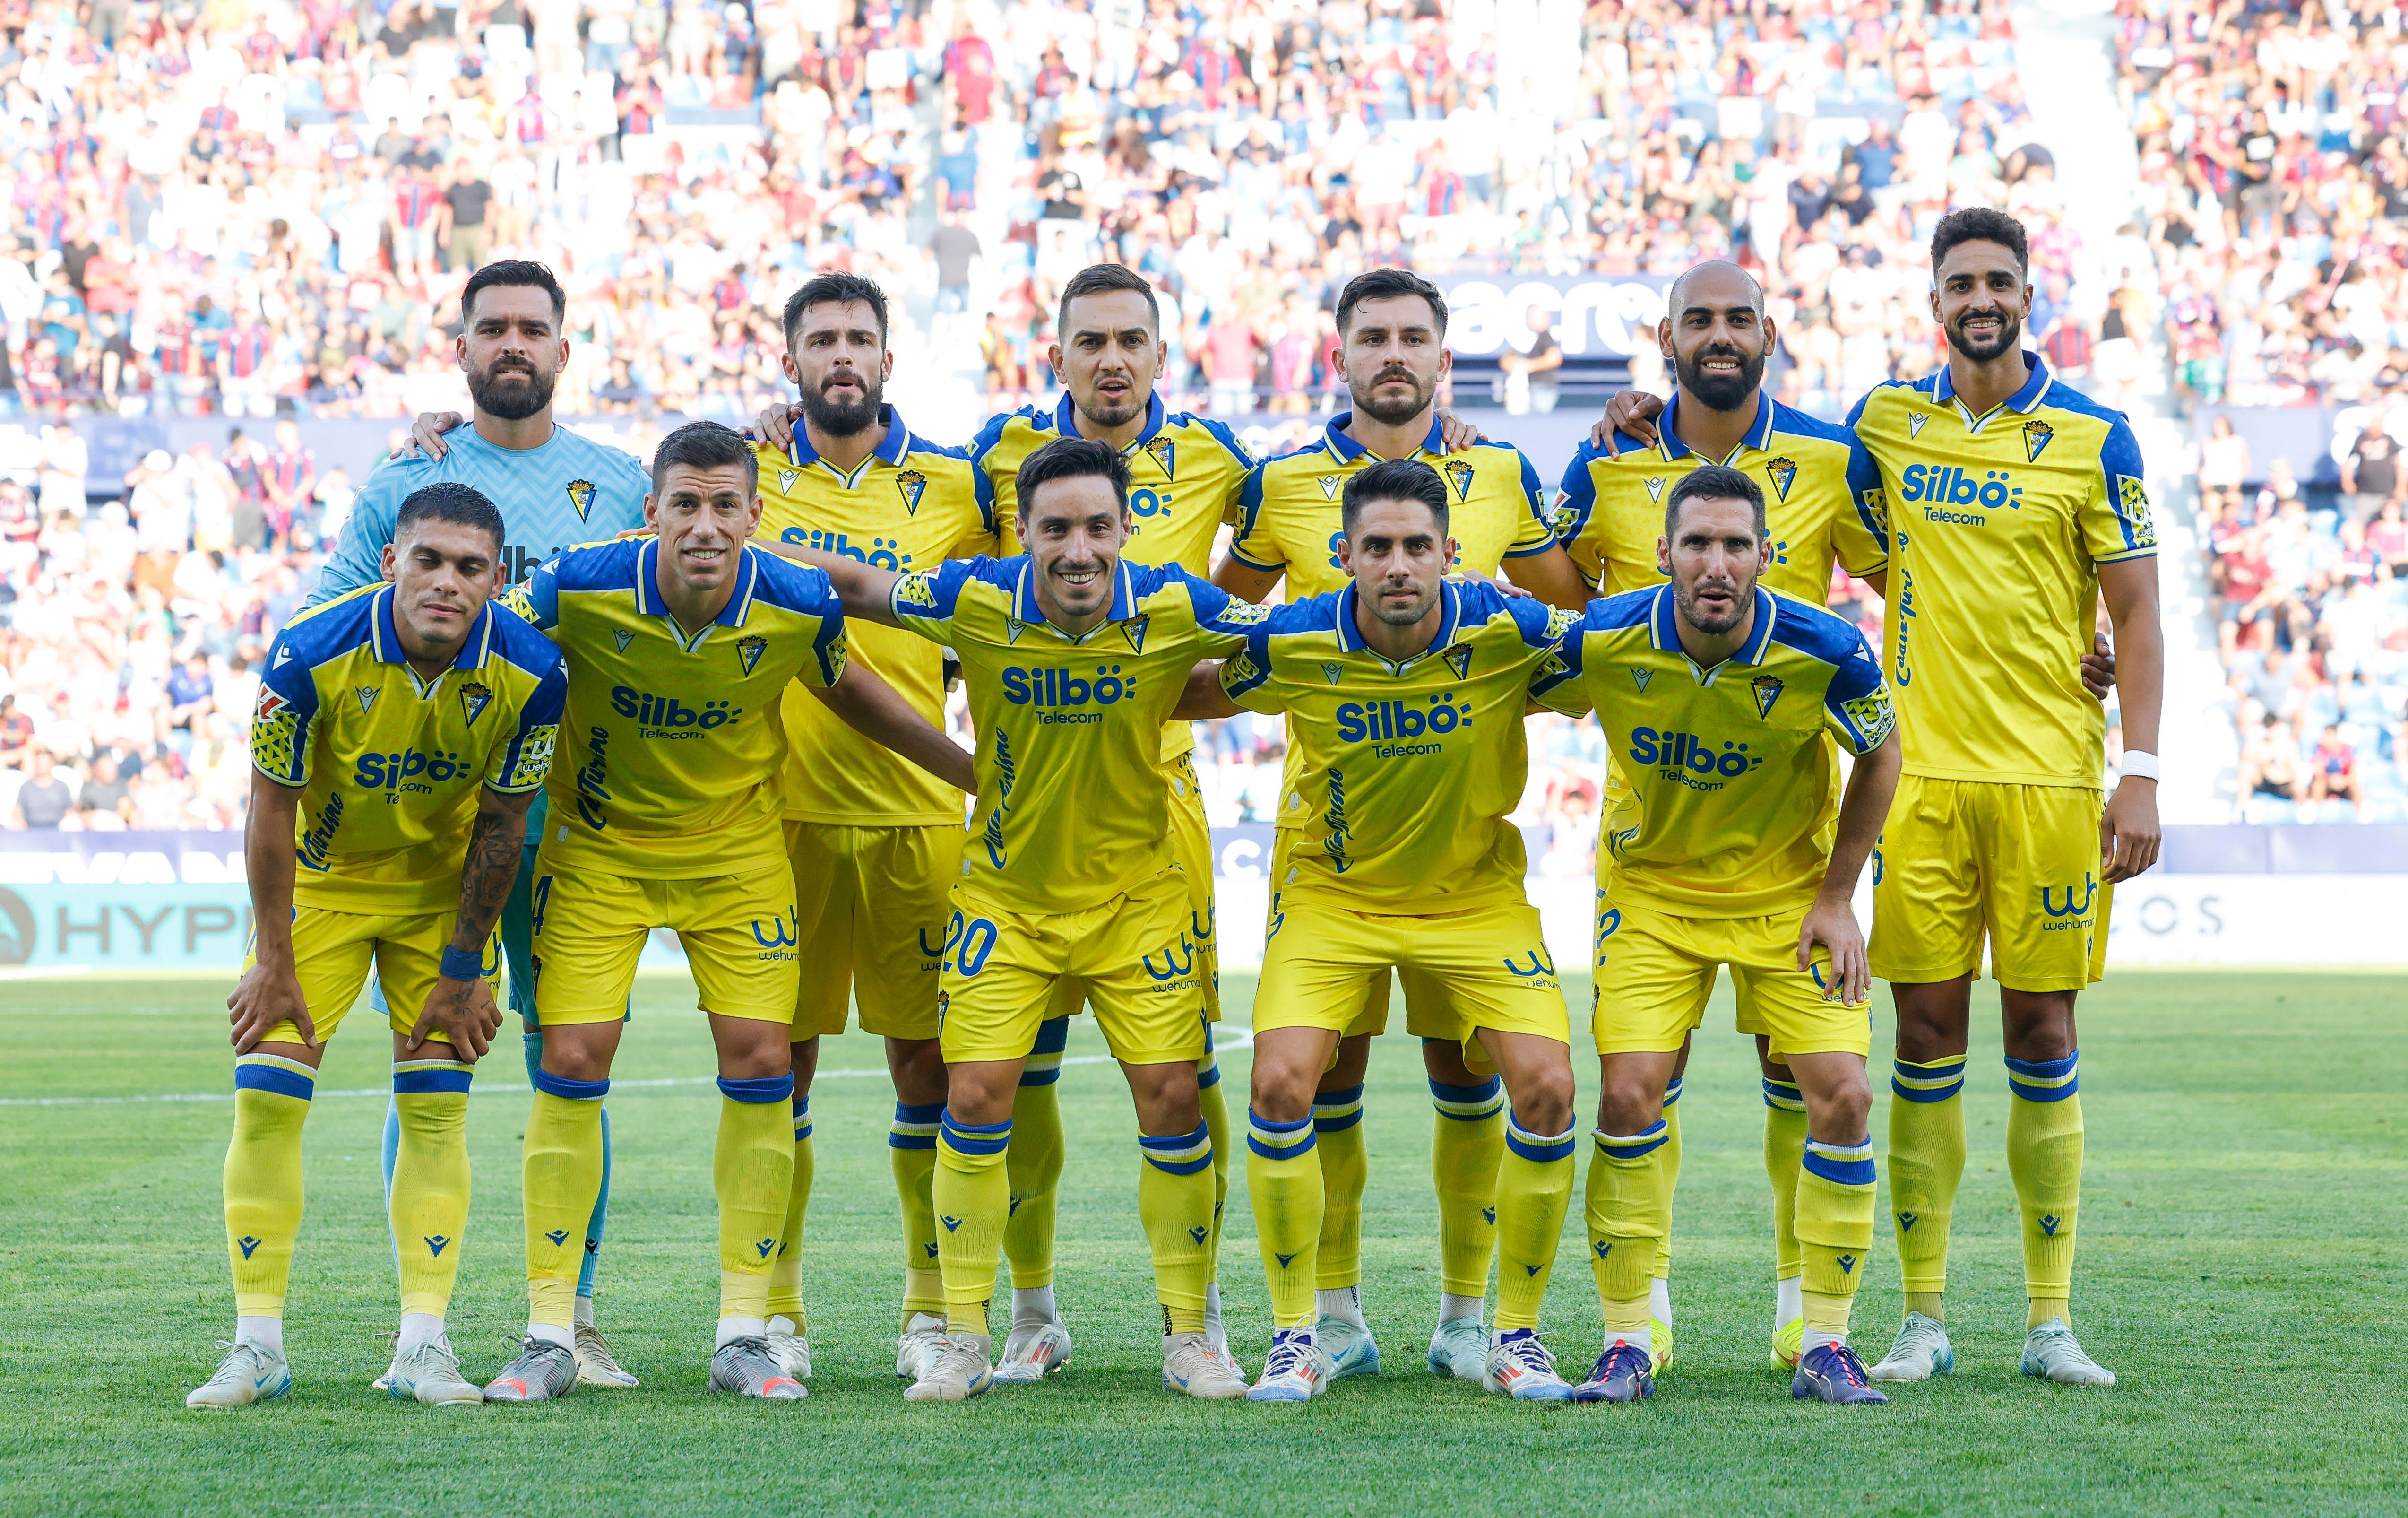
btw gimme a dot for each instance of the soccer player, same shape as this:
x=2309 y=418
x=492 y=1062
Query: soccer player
x=2013 y=505
x=1404 y=695
x=1727 y=846
x=554 y=489
x=665 y=812
x=1392 y=334
x=875 y=843
x=1074 y=660
x=400 y=734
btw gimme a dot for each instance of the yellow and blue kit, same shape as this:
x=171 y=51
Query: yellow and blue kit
x=1996 y=526
x=1069 y=869
x=1406 y=774
x=665 y=807
x=874 y=841
x=1720 y=839
x=1611 y=512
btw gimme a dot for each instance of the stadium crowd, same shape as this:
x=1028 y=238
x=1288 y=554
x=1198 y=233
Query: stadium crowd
x=268 y=211
x=2275 y=185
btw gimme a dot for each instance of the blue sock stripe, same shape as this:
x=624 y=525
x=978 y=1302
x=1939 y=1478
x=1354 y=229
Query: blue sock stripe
x=931 y=1114
x=1334 y=1112
x=1440 y=1092
x=759 y=1091
x=1672 y=1092
x=2044 y=1080
x=1933 y=1082
x=418 y=1078
x=1842 y=1165
x=1208 y=1073
x=975 y=1138
x=1178 y=1154
x=1279 y=1140
x=1052 y=1036
x=277 y=1074
x=1338 y=1123
x=1468 y=1104
x=1633 y=1146
x=570 y=1091
x=915 y=1126
x=802 y=1106
x=1540 y=1148
x=1031 y=1075
x=1784 y=1094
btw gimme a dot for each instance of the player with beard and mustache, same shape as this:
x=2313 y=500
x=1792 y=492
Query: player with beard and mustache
x=555 y=490
x=1393 y=354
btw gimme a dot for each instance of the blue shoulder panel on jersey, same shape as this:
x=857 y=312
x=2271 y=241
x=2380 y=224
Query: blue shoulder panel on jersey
x=985 y=443
x=944 y=583
x=782 y=583
x=333 y=629
x=1532 y=616
x=1799 y=424
x=1856 y=411
x=1221 y=434
x=1625 y=609
x=518 y=641
x=1314 y=614
x=1809 y=629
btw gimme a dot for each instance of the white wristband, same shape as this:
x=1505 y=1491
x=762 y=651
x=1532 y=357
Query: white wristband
x=2139 y=765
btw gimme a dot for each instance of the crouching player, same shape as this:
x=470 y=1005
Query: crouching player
x=1716 y=692
x=392 y=723
x=665 y=812
x=1404 y=695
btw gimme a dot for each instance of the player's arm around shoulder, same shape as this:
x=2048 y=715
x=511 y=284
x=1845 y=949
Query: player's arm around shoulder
x=878 y=712
x=863 y=590
x=1239 y=682
x=358 y=558
x=1253 y=565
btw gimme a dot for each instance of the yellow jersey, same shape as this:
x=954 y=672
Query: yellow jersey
x=1186 y=473
x=674 y=742
x=1407 y=770
x=1289 y=518
x=910 y=504
x=1728 y=803
x=1996 y=526
x=1071 y=808
x=1611 y=510
x=388 y=764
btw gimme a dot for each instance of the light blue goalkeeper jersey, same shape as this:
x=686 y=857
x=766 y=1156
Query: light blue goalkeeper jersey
x=571 y=490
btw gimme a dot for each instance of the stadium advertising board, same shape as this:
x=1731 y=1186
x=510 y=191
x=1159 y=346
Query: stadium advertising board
x=1599 y=319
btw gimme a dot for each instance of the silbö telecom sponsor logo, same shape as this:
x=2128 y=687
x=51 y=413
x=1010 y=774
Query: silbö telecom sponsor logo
x=1390 y=726
x=1938 y=487
x=1067 y=696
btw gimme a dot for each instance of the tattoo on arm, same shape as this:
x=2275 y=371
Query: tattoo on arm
x=487 y=873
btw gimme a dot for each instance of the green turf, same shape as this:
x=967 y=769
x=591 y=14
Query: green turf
x=2240 y=1270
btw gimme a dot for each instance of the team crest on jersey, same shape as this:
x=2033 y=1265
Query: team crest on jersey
x=1781 y=471
x=1768 y=690
x=474 y=698
x=1329 y=487
x=786 y=479
x=1459 y=474
x=912 y=483
x=748 y=651
x=623 y=638
x=1656 y=488
x=1872 y=715
x=1458 y=658
x=1133 y=629
x=1162 y=452
x=2036 y=435
x=580 y=495
x=367 y=695
x=1331 y=672
x=2133 y=501
x=1640 y=677
x=1914 y=424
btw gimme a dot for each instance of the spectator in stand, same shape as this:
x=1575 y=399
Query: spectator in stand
x=45 y=800
x=461 y=220
x=2370 y=472
x=2223 y=467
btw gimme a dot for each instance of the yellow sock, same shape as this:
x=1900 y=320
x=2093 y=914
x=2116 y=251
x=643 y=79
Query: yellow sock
x=1338 y=1139
x=911 y=1154
x=263 y=1178
x=1174 y=1201
x=1217 y=1123
x=1927 y=1161
x=787 y=1270
x=1034 y=1162
x=752 y=1172
x=1466 y=1146
x=1785 y=1150
x=1629 y=1211
x=1283 y=1181
x=562 y=1175
x=1672 y=1176
x=1835 y=1228
x=428 y=1201
x=973 y=1198
x=1534 y=1187
x=2044 y=1157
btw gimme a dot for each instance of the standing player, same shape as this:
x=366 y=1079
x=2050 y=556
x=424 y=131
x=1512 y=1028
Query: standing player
x=875 y=843
x=1404 y=695
x=1392 y=334
x=390 y=723
x=679 y=646
x=1727 y=846
x=1074 y=660
x=554 y=489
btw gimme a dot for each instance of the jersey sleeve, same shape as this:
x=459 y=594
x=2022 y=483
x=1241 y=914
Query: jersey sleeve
x=1853 y=540
x=1555 y=681
x=828 y=650
x=925 y=601
x=1534 y=532
x=1246 y=675
x=521 y=764
x=358 y=557
x=2116 y=521
x=1575 y=498
x=537 y=598
x=287 y=713
x=982 y=475
x=1240 y=462
x=1856 y=705
x=1251 y=545
x=1865 y=495
x=1222 y=620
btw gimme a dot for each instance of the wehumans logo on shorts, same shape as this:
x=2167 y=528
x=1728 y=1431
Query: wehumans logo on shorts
x=2077 y=911
x=784 y=929
x=1175 y=963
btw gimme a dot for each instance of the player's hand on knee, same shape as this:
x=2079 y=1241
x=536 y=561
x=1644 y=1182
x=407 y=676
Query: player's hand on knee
x=453 y=1014
x=1630 y=412
x=2129 y=833
x=775 y=426
x=426 y=434
x=265 y=998
x=1833 y=926
x=2098 y=668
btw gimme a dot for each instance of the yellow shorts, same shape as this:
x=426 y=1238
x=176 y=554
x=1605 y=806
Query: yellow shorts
x=332 y=953
x=1961 y=859
x=1654 y=970
x=1131 y=958
x=870 y=908
x=1191 y=849
x=738 y=932
x=1429 y=1013
x=1490 y=962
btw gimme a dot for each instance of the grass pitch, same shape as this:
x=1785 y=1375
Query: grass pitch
x=2241 y=1271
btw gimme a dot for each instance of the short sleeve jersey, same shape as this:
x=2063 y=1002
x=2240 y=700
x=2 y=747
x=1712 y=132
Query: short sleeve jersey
x=910 y=504
x=673 y=742
x=388 y=763
x=1610 y=510
x=1071 y=809
x=1996 y=527
x=1186 y=474
x=1728 y=804
x=1407 y=770
x=1289 y=518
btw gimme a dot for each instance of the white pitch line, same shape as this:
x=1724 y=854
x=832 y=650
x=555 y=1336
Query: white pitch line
x=1242 y=1040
